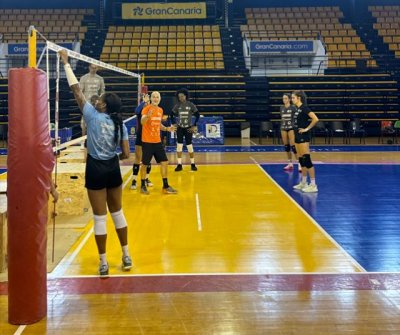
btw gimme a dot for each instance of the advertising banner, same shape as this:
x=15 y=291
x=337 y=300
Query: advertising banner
x=157 y=11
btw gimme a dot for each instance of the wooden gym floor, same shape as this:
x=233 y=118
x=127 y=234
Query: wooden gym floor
x=238 y=252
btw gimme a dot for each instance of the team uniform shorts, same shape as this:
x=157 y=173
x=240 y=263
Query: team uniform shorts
x=184 y=133
x=301 y=138
x=138 y=140
x=150 y=150
x=102 y=173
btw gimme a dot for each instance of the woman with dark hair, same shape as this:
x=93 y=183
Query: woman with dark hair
x=105 y=131
x=287 y=111
x=181 y=117
x=302 y=127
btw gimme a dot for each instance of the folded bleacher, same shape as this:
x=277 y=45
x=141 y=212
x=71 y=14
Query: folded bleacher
x=58 y=25
x=343 y=44
x=388 y=25
x=164 y=47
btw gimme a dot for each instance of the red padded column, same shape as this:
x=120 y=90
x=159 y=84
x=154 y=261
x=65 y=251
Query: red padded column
x=30 y=163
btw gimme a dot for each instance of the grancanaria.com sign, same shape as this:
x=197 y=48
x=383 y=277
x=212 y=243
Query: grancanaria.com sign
x=173 y=10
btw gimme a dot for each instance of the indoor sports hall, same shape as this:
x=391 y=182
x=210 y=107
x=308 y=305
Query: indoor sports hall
x=245 y=229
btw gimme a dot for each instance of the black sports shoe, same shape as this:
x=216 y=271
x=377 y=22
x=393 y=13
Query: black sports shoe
x=178 y=168
x=149 y=183
x=126 y=263
x=133 y=186
x=103 y=270
x=143 y=190
x=193 y=167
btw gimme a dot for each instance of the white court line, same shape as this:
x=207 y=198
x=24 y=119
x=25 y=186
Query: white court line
x=351 y=259
x=64 y=264
x=127 y=181
x=328 y=273
x=20 y=330
x=199 y=226
x=252 y=142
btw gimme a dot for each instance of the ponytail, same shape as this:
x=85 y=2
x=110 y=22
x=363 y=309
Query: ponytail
x=113 y=103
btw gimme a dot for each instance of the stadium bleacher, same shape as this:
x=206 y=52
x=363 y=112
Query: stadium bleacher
x=206 y=56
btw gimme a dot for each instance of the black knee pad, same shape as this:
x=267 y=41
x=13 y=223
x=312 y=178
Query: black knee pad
x=307 y=161
x=301 y=161
x=136 y=169
x=294 y=149
x=287 y=147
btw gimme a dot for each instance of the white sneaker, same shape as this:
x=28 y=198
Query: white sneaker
x=300 y=186
x=310 y=189
x=133 y=185
x=288 y=167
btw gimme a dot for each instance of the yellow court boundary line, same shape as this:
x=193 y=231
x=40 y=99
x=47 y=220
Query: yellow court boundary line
x=323 y=231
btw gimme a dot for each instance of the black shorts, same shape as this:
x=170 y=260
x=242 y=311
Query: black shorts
x=102 y=174
x=138 y=140
x=301 y=138
x=287 y=130
x=150 y=150
x=184 y=132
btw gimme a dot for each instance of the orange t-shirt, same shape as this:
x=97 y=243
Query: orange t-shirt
x=152 y=128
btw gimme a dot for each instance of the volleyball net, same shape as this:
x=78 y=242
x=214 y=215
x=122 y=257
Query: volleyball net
x=62 y=110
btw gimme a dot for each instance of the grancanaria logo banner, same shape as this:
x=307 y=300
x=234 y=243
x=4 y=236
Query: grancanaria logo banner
x=173 y=10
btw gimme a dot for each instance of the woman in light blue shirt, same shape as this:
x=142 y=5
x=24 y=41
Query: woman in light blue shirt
x=105 y=132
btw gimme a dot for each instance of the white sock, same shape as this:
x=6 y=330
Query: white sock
x=147 y=176
x=191 y=160
x=312 y=181
x=290 y=161
x=125 y=250
x=103 y=259
x=304 y=179
x=180 y=161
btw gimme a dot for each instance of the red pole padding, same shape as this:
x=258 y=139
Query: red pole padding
x=30 y=163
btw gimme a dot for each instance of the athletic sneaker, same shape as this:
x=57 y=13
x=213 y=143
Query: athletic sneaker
x=103 y=270
x=300 y=186
x=193 y=167
x=149 y=183
x=143 y=190
x=169 y=190
x=288 y=167
x=310 y=189
x=178 y=168
x=133 y=185
x=126 y=263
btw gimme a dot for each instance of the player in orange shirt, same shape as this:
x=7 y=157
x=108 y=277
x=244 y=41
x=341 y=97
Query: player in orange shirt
x=151 y=142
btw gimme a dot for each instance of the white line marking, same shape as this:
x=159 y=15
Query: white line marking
x=252 y=142
x=352 y=260
x=20 y=330
x=127 y=181
x=199 y=226
x=65 y=263
x=233 y=274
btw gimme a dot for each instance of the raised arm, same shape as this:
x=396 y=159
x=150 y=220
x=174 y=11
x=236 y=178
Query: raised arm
x=72 y=81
